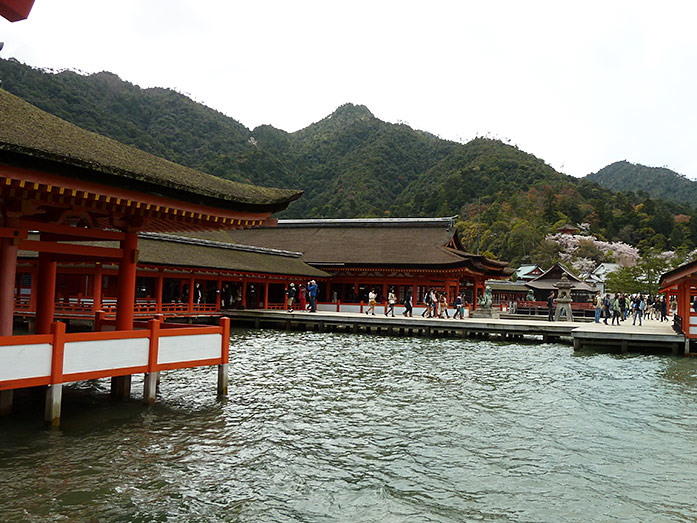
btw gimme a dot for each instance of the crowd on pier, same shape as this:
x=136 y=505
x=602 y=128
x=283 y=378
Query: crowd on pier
x=621 y=307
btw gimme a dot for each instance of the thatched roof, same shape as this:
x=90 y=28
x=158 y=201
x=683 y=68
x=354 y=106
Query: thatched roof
x=416 y=243
x=169 y=250
x=32 y=138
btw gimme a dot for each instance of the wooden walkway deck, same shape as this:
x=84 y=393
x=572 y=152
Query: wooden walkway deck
x=651 y=336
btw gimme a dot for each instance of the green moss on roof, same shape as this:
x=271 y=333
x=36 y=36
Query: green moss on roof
x=27 y=130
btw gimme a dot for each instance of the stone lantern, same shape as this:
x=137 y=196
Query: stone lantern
x=564 y=299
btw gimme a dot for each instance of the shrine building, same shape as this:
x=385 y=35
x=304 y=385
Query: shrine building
x=62 y=189
x=405 y=254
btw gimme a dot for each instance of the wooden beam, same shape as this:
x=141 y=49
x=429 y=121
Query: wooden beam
x=77 y=232
x=69 y=248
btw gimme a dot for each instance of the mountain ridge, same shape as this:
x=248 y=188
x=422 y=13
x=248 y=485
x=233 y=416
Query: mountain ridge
x=352 y=164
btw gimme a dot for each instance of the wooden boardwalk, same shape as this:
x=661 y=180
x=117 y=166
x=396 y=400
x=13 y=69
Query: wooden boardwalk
x=651 y=336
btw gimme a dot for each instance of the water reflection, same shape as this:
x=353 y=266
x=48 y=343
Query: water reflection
x=327 y=427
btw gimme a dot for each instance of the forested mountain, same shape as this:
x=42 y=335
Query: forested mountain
x=656 y=182
x=351 y=164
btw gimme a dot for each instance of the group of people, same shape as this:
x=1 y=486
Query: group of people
x=621 y=306
x=436 y=304
x=302 y=295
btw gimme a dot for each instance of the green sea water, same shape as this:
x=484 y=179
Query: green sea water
x=330 y=427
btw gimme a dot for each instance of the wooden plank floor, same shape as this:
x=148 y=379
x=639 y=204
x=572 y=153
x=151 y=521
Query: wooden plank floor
x=651 y=335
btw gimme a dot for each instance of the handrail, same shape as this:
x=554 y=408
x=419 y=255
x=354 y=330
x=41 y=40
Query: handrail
x=27 y=357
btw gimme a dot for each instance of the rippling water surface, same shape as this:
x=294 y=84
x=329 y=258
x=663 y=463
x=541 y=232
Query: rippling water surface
x=326 y=427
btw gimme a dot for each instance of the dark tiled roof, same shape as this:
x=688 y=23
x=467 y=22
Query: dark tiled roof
x=31 y=136
x=409 y=243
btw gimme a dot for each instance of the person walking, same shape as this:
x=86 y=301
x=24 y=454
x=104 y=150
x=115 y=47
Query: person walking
x=607 y=306
x=408 y=310
x=371 y=302
x=616 y=310
x=434 y=304
x=429 y=307
x=639 y=306
x=312 y=293
x=391 y=300
x=664 y=309
x=443 y=306
x=598 y=302
x=550 y=306
x=459 y=308
x=291 y=296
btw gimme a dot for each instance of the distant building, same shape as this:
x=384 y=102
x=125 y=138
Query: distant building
x=528 y=272
x=568 y=229
x=544 y=284
x=599 y=275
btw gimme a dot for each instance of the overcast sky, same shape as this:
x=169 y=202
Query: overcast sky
x=578 y=84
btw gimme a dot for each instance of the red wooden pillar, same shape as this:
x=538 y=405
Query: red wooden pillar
x=97 y=288
x=34 y=290
x=244 y=293
x=159 y=281
x=192 y=290
x=46 y=294
x=475 y=294
x=8 y=273
x=266 y=294
x=125 y=303
x=218 y=293
x=126 y=298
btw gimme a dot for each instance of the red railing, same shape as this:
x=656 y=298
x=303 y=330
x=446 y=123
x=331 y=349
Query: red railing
x=80 y=307
x=60 y=357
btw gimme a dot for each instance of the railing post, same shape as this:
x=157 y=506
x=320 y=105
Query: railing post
x=338 y=305
x=225 y=357
x=361 y=306
x=54 y=393
x=150 y=384
x=99 y=320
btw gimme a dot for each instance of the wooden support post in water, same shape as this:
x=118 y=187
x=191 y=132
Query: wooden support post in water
x=121 y=387
x=225 y=357
x=54 y=393
x=624 y=347
x=150 y=387
x=222 y=379
x=6 y=398
x=577 y=343
x=151 y=377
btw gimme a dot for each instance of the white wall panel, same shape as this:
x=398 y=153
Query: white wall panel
x=175 y=349
x=25 y=361
x=86 y=356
